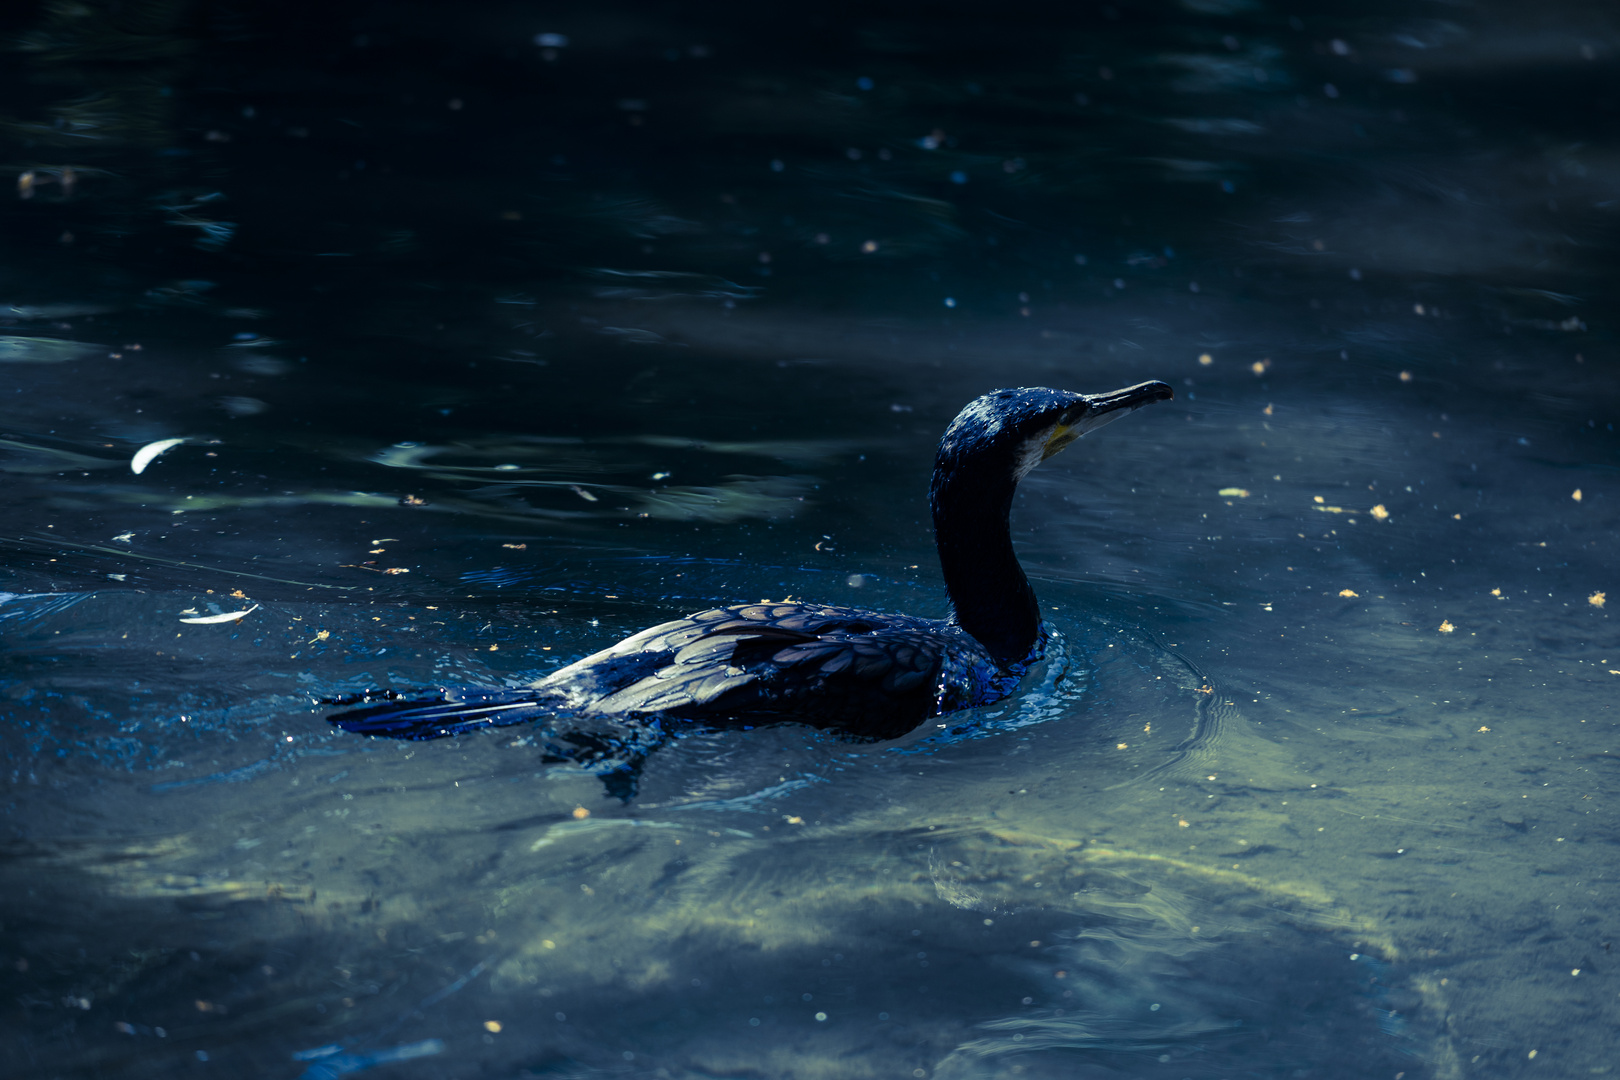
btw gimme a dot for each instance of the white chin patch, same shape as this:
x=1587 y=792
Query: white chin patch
x=1031 y=454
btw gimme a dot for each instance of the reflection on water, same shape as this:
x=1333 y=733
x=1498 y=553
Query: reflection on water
x=493 y=340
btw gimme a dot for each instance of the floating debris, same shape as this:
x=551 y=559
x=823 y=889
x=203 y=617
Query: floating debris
x=1233 y=493
x=1598 y=599
x=229 y=616
x=1446 y=627
x=1349 y=593
x=150 y=453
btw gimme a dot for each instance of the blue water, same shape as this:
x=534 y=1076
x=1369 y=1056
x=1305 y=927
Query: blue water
x=496 y=335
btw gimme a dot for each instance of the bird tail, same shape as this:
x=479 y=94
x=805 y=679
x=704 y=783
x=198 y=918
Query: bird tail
x=451 y=711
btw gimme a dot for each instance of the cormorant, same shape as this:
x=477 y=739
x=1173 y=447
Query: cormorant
x=868 y=674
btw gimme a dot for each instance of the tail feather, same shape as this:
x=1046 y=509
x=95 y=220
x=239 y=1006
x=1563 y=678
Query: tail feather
x=452 y=711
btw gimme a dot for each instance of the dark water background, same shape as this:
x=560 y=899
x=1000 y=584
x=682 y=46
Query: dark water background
x=489 y=348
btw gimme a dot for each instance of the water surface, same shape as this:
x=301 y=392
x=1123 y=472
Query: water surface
x=494 y=338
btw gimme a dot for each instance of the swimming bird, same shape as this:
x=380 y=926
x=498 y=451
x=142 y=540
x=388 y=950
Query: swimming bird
x=868 y=674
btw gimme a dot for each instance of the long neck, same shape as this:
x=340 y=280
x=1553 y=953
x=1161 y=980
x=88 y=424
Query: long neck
x=989 y=592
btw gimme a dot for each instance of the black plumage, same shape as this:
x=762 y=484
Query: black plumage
x=868 y=674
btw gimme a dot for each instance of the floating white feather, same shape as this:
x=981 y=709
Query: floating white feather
x=229 y=616
x=149 y=453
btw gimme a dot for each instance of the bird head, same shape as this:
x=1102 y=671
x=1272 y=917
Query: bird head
x=1017 y=429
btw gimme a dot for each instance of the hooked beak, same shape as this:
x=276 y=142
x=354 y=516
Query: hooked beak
x=1093 y=411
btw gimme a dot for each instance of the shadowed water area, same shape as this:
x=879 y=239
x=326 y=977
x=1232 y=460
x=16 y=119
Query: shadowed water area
x=496 y=332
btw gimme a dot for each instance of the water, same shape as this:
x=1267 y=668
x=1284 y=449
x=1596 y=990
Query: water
x=488 y=349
